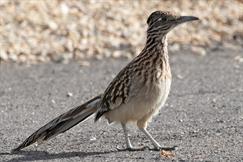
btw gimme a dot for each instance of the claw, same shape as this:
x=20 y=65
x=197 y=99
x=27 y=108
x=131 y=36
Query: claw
x=169 y=148
x=164 y=148
x=132 y=148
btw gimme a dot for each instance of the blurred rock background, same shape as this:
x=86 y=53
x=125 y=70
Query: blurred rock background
x=35 y=31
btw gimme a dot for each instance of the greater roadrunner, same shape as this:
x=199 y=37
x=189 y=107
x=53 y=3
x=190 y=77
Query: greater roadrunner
x=136 y=94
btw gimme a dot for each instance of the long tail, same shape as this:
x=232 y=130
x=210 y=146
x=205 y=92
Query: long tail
x=62 y=123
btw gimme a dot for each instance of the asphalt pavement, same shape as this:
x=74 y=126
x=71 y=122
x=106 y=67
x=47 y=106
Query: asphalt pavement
x=203 y=115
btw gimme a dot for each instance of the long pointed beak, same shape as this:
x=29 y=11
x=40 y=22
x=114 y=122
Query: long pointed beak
x=183 y=19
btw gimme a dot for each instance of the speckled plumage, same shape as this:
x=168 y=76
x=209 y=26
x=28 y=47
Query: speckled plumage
x=147 y=72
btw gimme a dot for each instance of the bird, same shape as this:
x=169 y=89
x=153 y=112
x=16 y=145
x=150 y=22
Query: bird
x=135 y=95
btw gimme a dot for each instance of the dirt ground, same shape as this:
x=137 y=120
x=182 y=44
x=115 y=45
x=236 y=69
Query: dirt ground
x=203 y=115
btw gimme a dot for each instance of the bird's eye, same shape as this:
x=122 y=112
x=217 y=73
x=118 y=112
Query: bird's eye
x=164 y=19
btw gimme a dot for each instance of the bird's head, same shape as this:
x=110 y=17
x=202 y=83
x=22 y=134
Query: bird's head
x=162 y=22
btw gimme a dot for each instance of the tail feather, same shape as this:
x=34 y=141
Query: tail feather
x=62 y=123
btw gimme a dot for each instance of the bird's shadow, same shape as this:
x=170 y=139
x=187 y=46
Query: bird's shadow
x=44 y=155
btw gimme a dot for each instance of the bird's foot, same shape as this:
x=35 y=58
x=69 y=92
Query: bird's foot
x=131 y=148
x=164 y=148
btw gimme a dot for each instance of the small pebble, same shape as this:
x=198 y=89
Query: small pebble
x=239 y=58
x=179 y=76
x=69 y=94
x=53 y=101
x=92 y=139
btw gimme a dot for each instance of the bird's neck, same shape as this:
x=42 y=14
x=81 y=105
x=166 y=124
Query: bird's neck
x=156 y=48
x=157 y=42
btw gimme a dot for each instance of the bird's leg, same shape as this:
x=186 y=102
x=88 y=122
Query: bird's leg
x=129 y=146
x=155 y=143
x=128 y=142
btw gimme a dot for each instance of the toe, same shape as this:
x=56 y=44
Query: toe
x=164 y=148
x=132 y=148
x=169 y=148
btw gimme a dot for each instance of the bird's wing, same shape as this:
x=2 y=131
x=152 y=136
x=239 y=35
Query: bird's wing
x=119 y=91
